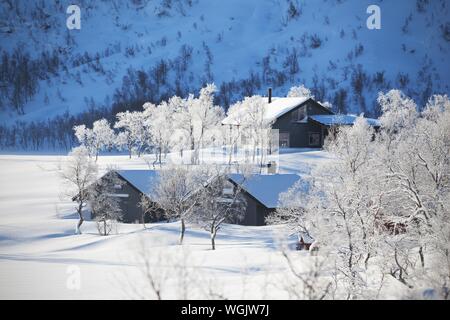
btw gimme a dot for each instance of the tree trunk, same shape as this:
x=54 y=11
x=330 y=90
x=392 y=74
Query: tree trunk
x=213 y=237
x=104 y=227
x=422 y=258
x=80 y=221
x=183 y=229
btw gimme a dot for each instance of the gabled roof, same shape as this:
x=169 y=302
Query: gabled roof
x=340 y=119
x=142 y=180
x=273 y=110
x=265 y=188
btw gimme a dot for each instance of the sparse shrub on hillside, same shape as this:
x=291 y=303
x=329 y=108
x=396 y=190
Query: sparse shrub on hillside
x=405 y=27
x=208 y=76
x=160 y=72
x=402 y=80
x=331 y=66
x=340 y=100
x=422 y=5
x=359 y=49
x=293 y=12
x=359 y=79
x=315 y=41
x=319 y=89
x=20 y=75
x=251 y=85
x=291 y=62
x=129 y=51
x=445 y=29
x=379 y=79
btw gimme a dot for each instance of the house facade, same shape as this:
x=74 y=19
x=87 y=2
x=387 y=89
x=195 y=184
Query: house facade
x=301 y=122
x=134 y=185
x=261 y=194
x=294 y=129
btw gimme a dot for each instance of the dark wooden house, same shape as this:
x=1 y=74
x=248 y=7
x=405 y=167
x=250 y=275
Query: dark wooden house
x=301 y=122
x=133 y=185
x=330 y=123
x=261 y=193
x=295 y=131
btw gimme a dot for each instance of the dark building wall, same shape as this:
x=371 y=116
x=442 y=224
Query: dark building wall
x=255 y=212
x=131 y=211
x=299 y=132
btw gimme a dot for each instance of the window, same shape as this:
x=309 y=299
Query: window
x=314 y=139
x=228 y=189
x=299 y=115
x=118 y=195
x=284 y=140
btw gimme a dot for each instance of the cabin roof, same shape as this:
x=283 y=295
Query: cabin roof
x=265 y=188
x=305 y=236
x=341 y=119
x=273 y=110
x=142 y=180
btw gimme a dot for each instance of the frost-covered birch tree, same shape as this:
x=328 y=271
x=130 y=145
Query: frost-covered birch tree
x=300 y=91
x=77 y=174
x=159 y=121
x=249 y=118
x=196 y=120
x=175 y=191
x=100 y=137
x=381 y=208
x=338 y=209
x=233 y=132
x=413 y=154
x=219 y=201
x=134 y=133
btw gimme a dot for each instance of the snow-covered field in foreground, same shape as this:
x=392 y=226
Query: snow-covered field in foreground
x=39 y=252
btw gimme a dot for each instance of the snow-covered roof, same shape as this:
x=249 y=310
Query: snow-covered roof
x=140 y=179
x=273 y=110
x=339 y=119
x=306 y=237
x=266 y=188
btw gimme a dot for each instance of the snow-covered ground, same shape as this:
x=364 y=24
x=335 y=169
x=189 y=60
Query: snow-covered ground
x=40 y=255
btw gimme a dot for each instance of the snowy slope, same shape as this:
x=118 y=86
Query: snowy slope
x=229 y=40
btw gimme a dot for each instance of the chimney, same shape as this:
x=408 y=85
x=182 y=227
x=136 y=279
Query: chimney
x=269 y=93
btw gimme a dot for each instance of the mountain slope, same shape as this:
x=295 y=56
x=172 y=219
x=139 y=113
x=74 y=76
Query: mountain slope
x=126 y=53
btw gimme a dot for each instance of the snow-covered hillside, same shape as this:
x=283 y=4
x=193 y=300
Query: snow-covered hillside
x=130 y=52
